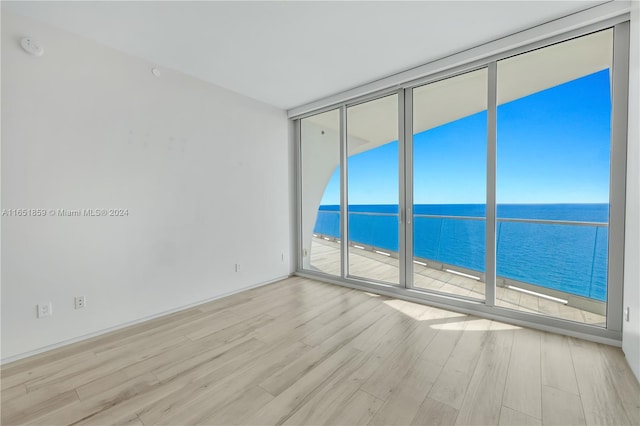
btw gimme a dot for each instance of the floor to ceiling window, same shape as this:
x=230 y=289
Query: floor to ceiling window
x=449 y=190
x=553 y=166
x=492 y=188
x=372 y=169
x=320 y=166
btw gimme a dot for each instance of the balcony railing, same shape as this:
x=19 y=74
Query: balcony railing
x=565 y=257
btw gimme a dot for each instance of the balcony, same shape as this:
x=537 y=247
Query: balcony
x=553 y=285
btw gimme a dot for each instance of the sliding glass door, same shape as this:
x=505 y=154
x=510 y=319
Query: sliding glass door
x=372 y=182
x=449 y=189
x=320 y=191
x=553 y=168
x=500 y=186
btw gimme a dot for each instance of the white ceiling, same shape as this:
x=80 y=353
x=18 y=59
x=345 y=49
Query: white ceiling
x=289 y=53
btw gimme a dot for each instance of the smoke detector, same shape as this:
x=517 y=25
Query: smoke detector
x=31 y=46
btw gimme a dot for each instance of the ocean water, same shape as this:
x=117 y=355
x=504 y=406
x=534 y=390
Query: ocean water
x=567 y=258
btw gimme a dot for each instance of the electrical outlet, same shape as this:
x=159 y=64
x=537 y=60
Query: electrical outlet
x=80 y=302
x=237 y=267
x=45 y=309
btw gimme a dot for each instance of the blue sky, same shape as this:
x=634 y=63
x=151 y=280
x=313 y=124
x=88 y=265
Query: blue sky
x=553 y=147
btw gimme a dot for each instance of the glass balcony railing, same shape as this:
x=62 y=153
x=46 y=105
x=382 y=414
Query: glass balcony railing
x=561 y=255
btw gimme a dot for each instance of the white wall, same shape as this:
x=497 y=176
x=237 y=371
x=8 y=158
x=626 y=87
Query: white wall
x=631 y=328
x=203 y=172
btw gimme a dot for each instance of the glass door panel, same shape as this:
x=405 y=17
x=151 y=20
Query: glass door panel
x=372 y=149
x=320 y=164
x=449 y=185
x=553 y=168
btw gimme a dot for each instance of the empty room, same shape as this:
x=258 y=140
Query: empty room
x=320 y=213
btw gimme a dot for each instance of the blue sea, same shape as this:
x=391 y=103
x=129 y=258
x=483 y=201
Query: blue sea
x=567 y=258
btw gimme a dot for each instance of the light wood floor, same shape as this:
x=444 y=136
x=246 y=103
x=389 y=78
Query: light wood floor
x=303 y=352
x=325 y=257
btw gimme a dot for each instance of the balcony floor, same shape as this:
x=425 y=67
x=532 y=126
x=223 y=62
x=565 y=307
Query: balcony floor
x=325 y=257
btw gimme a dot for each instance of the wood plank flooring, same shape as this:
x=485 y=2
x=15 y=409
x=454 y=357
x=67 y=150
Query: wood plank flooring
x=303 y=352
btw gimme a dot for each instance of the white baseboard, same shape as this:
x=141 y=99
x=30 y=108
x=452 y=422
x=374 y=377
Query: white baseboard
x=134 y=322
